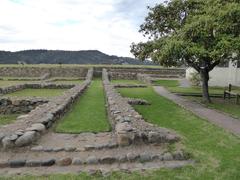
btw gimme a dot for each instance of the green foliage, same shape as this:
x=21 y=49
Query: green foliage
x=195 y=79
x=196 y=32
x=199 y=33
x=88 y=114
x=125 y=81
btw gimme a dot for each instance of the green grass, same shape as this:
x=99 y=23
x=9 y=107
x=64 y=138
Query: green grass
x=216 y=151
x=166 y=83
x=195 y=90
x=125 y=81
x=36 y=93
x=77 y=81
x=88 y=114
x=228 y=106
x=7 y=118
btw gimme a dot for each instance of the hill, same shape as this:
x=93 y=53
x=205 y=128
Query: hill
x=65 y=57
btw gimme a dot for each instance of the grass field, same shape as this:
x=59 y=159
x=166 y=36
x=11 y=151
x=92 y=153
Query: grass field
x=88 y=114
x=77 y=81
x=125 y=81
x=36 y=93
x=6 y=119
x=216 y=151
x=166 y=83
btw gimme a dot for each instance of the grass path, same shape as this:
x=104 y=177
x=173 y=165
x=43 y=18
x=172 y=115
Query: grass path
x=216 y=151
x=88 y=114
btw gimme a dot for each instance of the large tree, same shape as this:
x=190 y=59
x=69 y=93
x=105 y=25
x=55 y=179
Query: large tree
x=198 y=33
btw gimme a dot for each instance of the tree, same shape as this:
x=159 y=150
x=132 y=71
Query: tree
x=198 y=33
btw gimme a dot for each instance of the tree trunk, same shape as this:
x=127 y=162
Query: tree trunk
x=205 y=78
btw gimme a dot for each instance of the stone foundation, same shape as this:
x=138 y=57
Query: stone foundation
x=128 y=124
x=19 y=106
x=30 y=127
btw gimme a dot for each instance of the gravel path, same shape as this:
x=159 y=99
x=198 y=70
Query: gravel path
x=215 y=117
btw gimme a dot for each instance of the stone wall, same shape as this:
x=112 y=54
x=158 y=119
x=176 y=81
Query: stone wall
x=145 y=78
x=41 y=71
x=28 y=128
x=129 y=125
x=37 y=85
x=132 y=73
x=19 y=106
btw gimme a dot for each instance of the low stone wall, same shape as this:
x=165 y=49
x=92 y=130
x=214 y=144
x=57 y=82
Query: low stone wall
x=37 y=85
x=19 y=106
x=41 y=71
x=132 y=73
x=30 y=127
x=145 y=78
x=128 y=124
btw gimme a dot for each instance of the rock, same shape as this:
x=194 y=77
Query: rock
x=33 y=163
x=178 y=155
x=107 y=160
x=145 y=157
x=122 y=158
x=1 y=136
x=89 y=147
x=17 y=163
x=77 y=161
x=37 y=127
x=64 y=162
x=153 y=137
x=48 y=162
x=123 y=139
x=132 y=157
x=167 y=157
x=91 y=160
x=19 y=132
x=70 y=149
x=26 y=139
x=7 y=143
x=47 y=149
x=3 y=164
x=57 y=149
x=13 y=137
x=37 y=148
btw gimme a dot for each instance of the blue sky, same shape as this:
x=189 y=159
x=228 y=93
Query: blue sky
x=106 y=25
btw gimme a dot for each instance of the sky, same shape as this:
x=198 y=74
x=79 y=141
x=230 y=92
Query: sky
x=106 y=25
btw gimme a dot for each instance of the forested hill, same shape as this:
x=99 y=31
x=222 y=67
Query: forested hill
x=64 y=57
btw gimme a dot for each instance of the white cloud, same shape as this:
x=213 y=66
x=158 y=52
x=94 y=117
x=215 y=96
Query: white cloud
x=71 y=24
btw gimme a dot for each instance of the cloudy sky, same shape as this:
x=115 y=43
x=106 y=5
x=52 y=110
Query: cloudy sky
x=106 y=25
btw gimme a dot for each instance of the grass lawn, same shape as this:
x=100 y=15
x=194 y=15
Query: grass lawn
x=7 y=118
x=36 y=93
x=227 y=106
x=75 y=81
x=88 y=114
x=216 y=151
x=125 y=81
x=166 y=83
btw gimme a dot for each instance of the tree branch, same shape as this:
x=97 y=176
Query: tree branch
x=211 y=66
x=190 y=63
